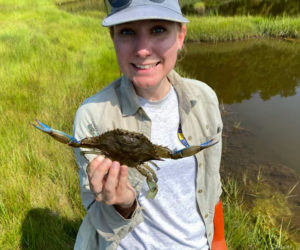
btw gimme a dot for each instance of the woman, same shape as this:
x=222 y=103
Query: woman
x=150 y=98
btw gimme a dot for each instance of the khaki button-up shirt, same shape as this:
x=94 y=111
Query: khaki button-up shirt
x=117 y=106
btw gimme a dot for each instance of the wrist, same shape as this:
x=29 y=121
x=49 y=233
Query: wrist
x=126 y=210
x=126 y=205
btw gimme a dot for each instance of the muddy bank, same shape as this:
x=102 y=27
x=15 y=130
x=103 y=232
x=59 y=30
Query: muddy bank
x=268 y=187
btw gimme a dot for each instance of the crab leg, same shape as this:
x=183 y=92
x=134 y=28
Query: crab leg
x=151 y=171
x=150 y=180
x=57 y=134
x=192 y=150
x=155 y=165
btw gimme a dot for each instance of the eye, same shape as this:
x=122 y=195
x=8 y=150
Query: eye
x=158 y=29
x=126 y=31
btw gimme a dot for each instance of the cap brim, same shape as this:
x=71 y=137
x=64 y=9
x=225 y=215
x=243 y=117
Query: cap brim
x=143 y=12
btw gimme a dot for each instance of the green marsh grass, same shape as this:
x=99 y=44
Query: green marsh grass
x=219 y=28
x=253 y=228
x=50 y=61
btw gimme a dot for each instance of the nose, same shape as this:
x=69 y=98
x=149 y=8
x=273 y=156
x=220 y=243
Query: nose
x=143 y=46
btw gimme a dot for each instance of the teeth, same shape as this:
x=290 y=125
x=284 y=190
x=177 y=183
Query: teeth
x=149 y=66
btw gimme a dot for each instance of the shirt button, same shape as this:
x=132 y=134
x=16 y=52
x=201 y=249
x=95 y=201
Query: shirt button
x=200 y=165
x=209 y=234
x=200 y=191
x=206 y=216
x=207 y=126
x=189 y=138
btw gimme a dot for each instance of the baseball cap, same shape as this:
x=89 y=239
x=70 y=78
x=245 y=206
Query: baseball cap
x=123 y=11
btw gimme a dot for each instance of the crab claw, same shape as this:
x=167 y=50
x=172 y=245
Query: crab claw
x=193 y=149
x=56 y=134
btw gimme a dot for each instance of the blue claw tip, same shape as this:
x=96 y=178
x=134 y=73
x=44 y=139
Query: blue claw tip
x=42 y=126
x=207 y=143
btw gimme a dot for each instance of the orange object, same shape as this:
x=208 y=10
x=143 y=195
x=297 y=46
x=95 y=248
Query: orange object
x=218 y=242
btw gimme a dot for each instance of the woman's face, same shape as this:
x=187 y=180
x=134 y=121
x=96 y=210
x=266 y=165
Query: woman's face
x=147 y=51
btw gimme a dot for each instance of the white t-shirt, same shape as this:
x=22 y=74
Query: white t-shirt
x=171 y=219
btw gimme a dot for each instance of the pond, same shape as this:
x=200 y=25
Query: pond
x=259 y=81
x=258 y=85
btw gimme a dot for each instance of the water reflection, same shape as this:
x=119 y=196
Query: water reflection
x=260 y=80
x=238 y=70
x=275 y=125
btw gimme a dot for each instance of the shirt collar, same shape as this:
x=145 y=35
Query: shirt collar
x=129 y=99
x=130 y=102
x=186 y=97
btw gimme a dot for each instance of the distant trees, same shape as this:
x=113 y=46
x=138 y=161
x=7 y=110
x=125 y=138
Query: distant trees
x=238 y=71
x=241 y=7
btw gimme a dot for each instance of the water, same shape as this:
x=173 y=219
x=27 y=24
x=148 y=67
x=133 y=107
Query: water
x=276 y=125
x=260 y=82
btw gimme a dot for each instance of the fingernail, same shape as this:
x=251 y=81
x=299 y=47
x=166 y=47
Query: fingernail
x=100 y=158
x=115 y=164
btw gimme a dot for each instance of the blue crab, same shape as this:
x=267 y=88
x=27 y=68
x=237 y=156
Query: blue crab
x=129 y=148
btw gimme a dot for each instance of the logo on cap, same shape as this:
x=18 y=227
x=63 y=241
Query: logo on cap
x=119 y=3
x=157 y=1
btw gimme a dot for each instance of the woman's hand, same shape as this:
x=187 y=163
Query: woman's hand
x=109 y=183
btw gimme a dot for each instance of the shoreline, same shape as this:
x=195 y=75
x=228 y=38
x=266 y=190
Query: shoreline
x=266 y=189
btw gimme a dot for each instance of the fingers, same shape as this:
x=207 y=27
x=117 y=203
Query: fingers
x=130 y=195
x=111 y=183
x=123 y=181
x=97 y=171
x=117 y=189
x=100 y=165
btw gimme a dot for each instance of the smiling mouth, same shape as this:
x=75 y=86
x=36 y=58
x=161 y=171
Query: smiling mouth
x=145 y=66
